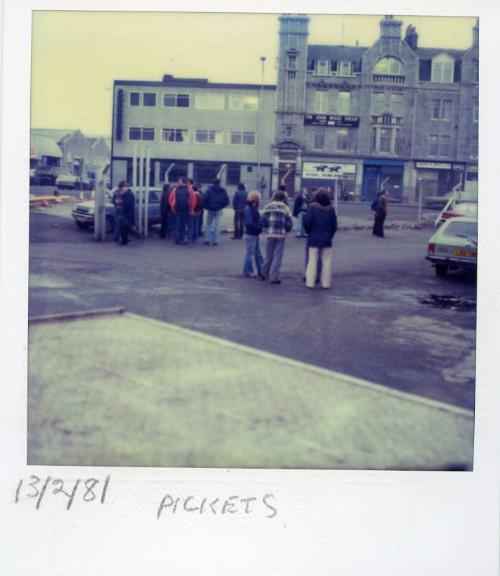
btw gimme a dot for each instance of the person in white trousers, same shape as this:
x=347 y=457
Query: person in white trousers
x=320 y=224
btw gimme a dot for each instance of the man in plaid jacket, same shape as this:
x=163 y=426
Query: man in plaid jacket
x=276 y=223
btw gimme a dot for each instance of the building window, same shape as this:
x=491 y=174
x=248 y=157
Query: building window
x=206 y=171
x=373 y=140
x=141 y=133
x=444 y=145
x=344 y=69
x=385 y=140
x=433 y=145
x=171 y=100
x=288 y=131
x=148 y=134
x=243 y=103
x=389 y=66
x=233 y=174
x=174 y=135
x=343 y=140
x=442 y=69
x=242 y=138
x=208 y=137
x=377 y=103
x=292 y=62
x=396 y=105
x=319 y=140
x=344 y=103
x=322 y=68
x=441 y=110
x=321 y=102
x=149 y=99
x=209 y=101
x=134 y=98
x=475 y=111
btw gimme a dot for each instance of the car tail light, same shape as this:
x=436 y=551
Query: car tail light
x=431 y=248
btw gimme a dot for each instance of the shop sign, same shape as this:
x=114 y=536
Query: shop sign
x=331 y=120
x=433 y=165
x=326 y=170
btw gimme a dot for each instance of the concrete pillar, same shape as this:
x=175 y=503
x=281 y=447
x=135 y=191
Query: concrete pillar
x=190 y=170
x=157 y=173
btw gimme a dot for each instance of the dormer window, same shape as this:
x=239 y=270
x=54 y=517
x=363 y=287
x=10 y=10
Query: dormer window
x=442 y=69
x=322 y=68
x=344 y=68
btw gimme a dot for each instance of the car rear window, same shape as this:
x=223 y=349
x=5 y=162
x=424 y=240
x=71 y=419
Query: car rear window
x=458 y=228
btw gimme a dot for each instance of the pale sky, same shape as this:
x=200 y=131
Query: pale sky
x=77 y=55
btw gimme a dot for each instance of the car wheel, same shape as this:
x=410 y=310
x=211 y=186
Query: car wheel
x=110 y=224
x=441 y=269
x=82 y=225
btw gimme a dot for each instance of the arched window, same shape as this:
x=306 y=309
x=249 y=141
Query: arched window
x=389 y=66
x=442 y=69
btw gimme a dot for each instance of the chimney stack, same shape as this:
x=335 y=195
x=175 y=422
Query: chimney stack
x=411 y=37
x=390 y=28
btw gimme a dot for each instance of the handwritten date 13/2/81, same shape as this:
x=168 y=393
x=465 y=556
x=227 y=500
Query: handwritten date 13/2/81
x=88 y=490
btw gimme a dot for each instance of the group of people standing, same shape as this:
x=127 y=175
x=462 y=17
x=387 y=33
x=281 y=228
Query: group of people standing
x=183 y=207
x=318 y=221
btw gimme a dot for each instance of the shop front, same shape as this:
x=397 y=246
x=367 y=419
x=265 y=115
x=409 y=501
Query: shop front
x=439 y=178
x=381 y=174
x=338 y=177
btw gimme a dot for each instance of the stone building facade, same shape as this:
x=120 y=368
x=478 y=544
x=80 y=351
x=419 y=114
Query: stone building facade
x=392 y=115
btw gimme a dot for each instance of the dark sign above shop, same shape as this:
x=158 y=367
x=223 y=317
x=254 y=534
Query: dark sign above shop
x=331 y=120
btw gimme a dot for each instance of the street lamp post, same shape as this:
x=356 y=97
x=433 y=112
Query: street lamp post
x=259 y=121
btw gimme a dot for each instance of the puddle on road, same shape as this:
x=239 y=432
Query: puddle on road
x=450 y=302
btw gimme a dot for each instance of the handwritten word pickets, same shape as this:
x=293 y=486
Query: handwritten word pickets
x=84 y=490
x=218 y=506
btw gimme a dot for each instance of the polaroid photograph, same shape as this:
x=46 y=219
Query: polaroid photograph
x=252 y=248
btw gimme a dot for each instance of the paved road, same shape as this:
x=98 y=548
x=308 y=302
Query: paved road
x=372 y=323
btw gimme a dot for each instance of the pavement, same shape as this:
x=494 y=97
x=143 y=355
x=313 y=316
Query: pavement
x=122 y=390
x=404 y=218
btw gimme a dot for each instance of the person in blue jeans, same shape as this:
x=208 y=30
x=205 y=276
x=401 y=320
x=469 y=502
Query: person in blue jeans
x=182 y=201
x=215 y=200
x=253 y=228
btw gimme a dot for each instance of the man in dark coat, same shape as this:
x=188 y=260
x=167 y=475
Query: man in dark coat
x=320 y=223
x=239 y=204
x=182 y=201
x=380 y=214
x=214 y=201
x=124 y=203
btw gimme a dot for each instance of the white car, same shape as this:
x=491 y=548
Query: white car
x=454 y=245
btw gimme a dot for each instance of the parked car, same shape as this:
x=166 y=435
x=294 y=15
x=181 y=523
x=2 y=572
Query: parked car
x=454 y=245
x=84 y=212
x=437 y=202
x=68 y=181
x=460 y=209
